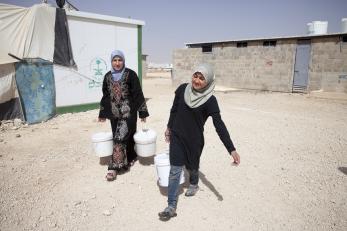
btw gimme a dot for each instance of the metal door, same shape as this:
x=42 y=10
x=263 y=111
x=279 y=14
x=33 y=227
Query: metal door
x=302 y=60
x=36 y=88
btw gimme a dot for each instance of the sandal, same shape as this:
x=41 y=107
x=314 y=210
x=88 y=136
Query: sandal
x=131 y=163
x=111 y=175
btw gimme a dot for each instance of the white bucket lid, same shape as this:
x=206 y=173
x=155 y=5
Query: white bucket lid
x=102 y=136
x=145 y=136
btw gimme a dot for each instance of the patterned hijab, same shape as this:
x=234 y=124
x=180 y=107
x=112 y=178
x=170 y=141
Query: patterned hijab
x=117 y=74
x=195 y=98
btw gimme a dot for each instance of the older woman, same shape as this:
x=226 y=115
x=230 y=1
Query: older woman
x=122 y=100
x=193 y=104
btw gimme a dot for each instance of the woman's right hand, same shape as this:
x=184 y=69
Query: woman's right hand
x=167 y=135
x=101 y=119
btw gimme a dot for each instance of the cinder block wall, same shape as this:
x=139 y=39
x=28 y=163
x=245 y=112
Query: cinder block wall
x=267 y=68
x=328 y=66
x=251 y=67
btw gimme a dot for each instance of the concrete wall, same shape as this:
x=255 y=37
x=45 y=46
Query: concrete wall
x=328 y=66
x=266 y=68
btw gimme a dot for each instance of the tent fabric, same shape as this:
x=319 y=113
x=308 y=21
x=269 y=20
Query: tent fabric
x=36 y=87
x=26 y=32
x=10 y=107
x=63 y=50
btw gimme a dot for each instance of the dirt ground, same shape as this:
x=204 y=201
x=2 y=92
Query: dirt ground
x=292 y=175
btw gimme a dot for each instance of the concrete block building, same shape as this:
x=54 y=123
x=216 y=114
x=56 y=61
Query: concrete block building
x=286 y=64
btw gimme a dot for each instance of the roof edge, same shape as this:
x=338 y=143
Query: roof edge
x=81 y=14
x=269 y=38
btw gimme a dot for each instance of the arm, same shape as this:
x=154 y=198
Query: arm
x=225 y=137
x=173 y=113
x=137 y=95
x=105 y=96
x=214 y=112
x=222 y=132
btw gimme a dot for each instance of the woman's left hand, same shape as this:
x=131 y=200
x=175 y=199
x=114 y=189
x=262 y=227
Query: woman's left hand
x=236 y=157
x=143 y=120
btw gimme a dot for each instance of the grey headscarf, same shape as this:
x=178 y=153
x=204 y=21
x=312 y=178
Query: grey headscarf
x=195 y=98
x=117 y=74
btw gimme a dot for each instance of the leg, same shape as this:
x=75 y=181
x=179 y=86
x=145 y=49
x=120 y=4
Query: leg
x=174 y=182
x=193 y=180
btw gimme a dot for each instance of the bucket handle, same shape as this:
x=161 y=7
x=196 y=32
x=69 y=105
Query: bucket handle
x=144 y=127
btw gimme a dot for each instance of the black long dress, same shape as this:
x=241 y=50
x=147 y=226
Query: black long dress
x=187 y=130
x=120 y=103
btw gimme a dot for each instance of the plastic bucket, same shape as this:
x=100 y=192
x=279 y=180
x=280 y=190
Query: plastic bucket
x=102 y=144
x=145 y=142
x=162 y=165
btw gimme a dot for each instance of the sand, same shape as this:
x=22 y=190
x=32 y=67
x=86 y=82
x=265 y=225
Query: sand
x=292 y=175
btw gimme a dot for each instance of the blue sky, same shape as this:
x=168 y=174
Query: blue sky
x=172 y=23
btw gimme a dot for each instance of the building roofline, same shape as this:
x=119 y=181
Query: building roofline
x=268 y=38
x=81 y=14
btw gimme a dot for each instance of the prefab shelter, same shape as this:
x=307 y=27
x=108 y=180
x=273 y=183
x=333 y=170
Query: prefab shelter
x=93 y=38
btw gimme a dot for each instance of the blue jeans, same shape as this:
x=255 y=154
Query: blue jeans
x=174 y=183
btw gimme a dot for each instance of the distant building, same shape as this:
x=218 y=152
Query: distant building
x=144 y=65
x=287 y=64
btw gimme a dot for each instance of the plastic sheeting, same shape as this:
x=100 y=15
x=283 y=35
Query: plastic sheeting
x=36 y=87
x=26 y=32
x=9 y=99
x=62 y=45
x=40 y=31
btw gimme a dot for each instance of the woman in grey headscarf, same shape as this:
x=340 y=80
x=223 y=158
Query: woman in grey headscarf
x=193 y=104
x=122 y=100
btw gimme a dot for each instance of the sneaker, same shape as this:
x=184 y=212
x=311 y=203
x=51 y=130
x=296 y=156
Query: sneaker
x=167 y=213
x=192 y=190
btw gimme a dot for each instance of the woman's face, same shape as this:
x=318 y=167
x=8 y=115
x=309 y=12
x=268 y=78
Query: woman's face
x=198 y=81
x=117 y=63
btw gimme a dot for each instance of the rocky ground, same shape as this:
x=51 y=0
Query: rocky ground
x=292 y=175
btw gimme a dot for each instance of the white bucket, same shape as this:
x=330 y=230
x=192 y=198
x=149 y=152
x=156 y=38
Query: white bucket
x=102 y=144
x=145 y=142
x=162 y=164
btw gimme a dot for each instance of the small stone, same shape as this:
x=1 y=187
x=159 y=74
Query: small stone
x=84 y=214
x=17 y=122
x=1 y=140
x=77 y=203
x=18 y=135
x=107 y=213
x=44 y=160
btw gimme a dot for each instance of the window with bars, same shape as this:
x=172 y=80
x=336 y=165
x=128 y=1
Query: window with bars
x=241 y=44
x=269 y=43
x=206 y=48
